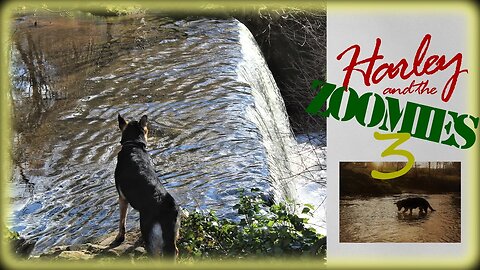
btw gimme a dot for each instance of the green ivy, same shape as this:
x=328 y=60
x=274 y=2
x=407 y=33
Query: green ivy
x=263 y=230
x=10 y=235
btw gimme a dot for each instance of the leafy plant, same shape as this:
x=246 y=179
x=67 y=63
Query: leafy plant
x=263 y=230
x=10 y=235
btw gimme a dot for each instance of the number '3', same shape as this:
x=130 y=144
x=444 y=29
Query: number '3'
x=390 y=151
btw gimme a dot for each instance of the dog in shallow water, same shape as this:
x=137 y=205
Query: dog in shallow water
x=138 y=185
x=412 y=203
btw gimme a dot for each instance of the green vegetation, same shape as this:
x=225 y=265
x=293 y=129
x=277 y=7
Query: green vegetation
x=10 y=235
x=262 y=231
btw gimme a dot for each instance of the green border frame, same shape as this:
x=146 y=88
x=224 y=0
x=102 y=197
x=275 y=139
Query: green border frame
x=471 y=11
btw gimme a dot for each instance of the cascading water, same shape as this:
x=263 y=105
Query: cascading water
x=267 y=112
x=218 y=122
x=297 y=167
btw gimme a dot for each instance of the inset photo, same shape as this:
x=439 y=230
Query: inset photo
x=422 y=206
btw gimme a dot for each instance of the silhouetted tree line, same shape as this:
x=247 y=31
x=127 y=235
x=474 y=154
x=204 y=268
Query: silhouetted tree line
x=426 y=177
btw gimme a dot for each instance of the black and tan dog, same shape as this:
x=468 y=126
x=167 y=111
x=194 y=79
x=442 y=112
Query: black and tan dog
x=412 y=203
x=138 y=185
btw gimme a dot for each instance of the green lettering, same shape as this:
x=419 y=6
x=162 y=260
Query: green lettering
x=393 y=114
x=462 y=129
x=451 y=140
x=465 y=131
x=335 y=102
x=377 y=113
x=423 y=121
x=408 y=118
x=320 y=99
x=352 y=102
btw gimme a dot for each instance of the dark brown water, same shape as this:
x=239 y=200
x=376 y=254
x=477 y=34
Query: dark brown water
x=217 y=121
x=367 y=220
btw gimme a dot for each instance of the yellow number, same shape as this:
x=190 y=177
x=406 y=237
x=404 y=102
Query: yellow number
x=401 y=138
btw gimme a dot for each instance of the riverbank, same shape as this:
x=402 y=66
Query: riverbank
x=101 y=248
x=265 y=230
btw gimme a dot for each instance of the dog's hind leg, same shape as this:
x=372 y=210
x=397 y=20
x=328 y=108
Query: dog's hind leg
x=123 y=203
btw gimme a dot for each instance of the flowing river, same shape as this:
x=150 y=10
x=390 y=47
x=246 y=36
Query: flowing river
x=217 y=121
x=376 y=219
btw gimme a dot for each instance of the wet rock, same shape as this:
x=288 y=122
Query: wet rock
x=107 y=253
x=103 y=247
x=74 y=255
x=139 y=251
x=55 y=251
x=95 y=248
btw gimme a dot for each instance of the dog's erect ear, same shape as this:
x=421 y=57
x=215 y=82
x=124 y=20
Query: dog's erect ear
x=143 y=121
x=121 y=122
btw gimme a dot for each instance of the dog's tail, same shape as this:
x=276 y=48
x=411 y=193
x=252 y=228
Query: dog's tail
x=160 y=233
x=155 y=240
x=152 y=233
x=429 y=206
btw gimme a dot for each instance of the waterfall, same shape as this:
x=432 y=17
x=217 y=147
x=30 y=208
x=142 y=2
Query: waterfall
x=288 y=164
x=268 y=113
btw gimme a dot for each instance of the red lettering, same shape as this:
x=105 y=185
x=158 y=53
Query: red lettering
x=383 y=67
x=452 y=82
x=420 y=88
x=430 y=62
x=401 y=68
x=354 y=62
x=420 y=54
x=421 y=65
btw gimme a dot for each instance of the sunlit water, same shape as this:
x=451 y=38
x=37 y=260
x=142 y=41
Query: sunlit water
x=217 y=121
x=376 y=219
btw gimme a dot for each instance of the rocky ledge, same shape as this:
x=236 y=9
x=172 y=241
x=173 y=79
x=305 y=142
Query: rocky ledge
x=132 y=247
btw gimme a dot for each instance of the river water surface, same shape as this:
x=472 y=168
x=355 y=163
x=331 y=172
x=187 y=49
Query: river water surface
x=376 y=219
x=217 y=121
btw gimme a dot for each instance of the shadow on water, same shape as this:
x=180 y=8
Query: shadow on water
x=407 y=217
x=212 y=131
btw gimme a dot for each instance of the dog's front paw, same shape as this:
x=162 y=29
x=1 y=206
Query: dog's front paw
x=119 y=239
